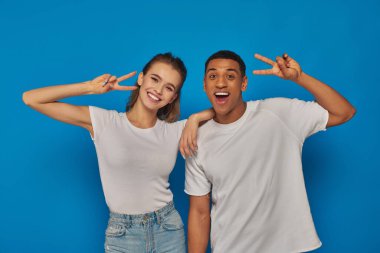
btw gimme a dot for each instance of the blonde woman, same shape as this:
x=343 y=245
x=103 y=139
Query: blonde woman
x=136 y=150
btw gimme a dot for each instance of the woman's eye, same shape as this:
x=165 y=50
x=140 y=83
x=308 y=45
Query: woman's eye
x=230 y=77
x=155 y=79
x=212 y=76
x=170 y=88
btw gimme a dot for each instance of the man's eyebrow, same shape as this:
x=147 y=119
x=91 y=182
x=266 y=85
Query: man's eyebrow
x=211 y=69
x=234 y=70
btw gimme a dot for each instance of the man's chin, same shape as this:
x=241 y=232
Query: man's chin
x=220 y=111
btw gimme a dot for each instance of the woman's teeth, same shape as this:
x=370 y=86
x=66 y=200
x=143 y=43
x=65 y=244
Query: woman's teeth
x=153 y=97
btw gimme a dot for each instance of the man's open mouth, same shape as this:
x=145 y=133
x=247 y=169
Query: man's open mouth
x=221 y=97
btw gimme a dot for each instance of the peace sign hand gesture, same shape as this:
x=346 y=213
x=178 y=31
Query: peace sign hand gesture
x=284 y=67
x=107 y=82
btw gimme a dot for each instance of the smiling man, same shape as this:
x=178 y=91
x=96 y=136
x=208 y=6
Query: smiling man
x=249 y=159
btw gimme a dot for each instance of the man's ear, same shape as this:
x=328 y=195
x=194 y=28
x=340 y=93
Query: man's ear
x=204 y=83
x=244 y=84
x=140 y=79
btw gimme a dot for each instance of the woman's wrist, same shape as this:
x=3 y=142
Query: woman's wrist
x=88 y=88
x=194 y=117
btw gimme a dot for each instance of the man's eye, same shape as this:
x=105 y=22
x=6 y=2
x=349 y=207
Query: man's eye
x=230 y=77
x=212 y=76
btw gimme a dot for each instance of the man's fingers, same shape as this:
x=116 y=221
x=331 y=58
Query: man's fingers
x=125 y=77
x=264 y=59
x=287 y=58
x=281 y=63
x=263 y=72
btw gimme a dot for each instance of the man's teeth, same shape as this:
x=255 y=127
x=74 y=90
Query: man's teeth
x=221 y=94
x=153 y=97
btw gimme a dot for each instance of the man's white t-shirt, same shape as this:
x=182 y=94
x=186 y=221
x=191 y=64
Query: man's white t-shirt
x=253 y=168
x=134 y=163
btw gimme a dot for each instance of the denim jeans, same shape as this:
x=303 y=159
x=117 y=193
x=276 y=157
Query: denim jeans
x=156 y=232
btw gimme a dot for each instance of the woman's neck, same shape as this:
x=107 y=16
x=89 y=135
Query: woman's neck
x=141 y=117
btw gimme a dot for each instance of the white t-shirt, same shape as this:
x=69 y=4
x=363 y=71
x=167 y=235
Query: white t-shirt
x=253 y=168
x=134 y=163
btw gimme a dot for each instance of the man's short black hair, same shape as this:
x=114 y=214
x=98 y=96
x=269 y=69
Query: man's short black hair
x=226 y=54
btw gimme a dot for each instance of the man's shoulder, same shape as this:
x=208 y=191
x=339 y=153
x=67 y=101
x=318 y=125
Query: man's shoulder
x=275 y=103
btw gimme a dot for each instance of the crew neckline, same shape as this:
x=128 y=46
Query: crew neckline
x=138 y=128
x=236 y=123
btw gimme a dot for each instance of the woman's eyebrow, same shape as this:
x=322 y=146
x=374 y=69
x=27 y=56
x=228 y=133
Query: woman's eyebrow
x=157 y=76
x=161 y=79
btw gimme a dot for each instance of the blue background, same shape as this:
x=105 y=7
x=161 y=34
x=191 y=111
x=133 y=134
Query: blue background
x=50 y=192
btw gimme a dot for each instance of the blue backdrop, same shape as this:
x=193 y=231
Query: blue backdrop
x=50 y=192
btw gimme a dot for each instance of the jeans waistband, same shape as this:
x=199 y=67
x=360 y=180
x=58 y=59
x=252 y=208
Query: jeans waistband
x=157 y=215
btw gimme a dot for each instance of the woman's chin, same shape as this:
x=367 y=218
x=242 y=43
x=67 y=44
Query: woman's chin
x=153 y=106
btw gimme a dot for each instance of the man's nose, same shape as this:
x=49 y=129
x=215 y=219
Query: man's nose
x=220 y=84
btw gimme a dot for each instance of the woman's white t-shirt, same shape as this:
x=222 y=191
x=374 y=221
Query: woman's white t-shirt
x=253 y=167
x=134 y=163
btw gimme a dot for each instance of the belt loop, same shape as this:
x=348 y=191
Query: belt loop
x=158 y=217
x=129 y=222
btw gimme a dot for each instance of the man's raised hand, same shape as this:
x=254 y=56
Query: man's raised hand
x=284 y=67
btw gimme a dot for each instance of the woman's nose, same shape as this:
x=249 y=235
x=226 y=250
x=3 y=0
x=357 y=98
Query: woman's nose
x=159 y=88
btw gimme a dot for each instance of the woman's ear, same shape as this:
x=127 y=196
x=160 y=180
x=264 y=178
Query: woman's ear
x=140 y=79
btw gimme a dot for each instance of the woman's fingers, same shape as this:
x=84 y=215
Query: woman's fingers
x=181 y=147
x=125 y=77
x=194 y=142
x=117 y=86
x=187 y=145
x=125 y=88
x=106 y=78
x=191 y=145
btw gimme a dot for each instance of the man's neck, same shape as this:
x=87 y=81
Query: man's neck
x=233 y=115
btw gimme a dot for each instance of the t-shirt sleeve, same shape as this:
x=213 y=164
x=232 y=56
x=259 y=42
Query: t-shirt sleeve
x=303 y=118
x=99 y=119
x=196 y=182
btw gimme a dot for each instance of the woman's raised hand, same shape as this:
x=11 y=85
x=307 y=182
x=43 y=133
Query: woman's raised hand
x=107 y=82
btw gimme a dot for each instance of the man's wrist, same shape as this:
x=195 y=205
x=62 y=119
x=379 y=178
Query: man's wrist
x=301 y=78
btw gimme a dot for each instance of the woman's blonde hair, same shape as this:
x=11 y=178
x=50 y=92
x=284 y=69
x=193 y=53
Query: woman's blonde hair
x=170 y=112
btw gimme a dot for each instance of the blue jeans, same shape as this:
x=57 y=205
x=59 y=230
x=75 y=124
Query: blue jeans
x=156 y=232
